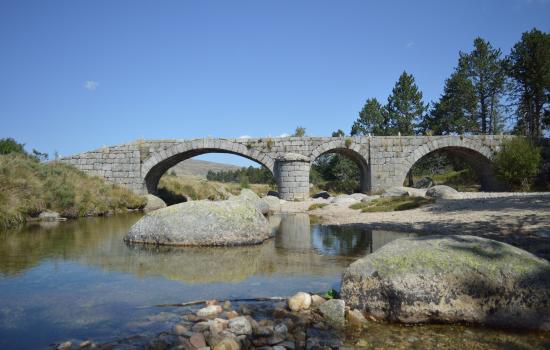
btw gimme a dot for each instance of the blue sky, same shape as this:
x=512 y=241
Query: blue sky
x=77 y=75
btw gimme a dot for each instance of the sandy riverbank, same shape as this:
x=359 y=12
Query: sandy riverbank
x=522 y=219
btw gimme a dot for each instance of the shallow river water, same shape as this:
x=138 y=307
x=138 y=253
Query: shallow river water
x=77 y=280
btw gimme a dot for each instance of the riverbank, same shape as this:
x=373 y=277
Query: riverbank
x=29 y=188
x=521 y=219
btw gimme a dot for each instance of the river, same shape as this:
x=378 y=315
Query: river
x=77 y=280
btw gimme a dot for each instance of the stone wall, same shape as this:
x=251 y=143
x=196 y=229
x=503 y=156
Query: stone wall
x=384 y=161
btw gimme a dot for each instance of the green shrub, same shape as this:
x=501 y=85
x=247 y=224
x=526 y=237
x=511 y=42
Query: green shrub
x=517 y=163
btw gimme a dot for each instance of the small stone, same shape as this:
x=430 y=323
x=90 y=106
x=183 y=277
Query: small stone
x=197 y=340
x=201 y=326
x=227 y=344
x=217 y=326
x=280 y=329
x=299 y=301
x=231 y=315
x=212 y=302
x=263 y=331
x=180 y=329
x=334 y=312
x=355 y=318
x=210 y=310
x=85 y=344
x=278 y=347
x=64 y=346
x=240 y=325
x=226 y=305
x=317 y=300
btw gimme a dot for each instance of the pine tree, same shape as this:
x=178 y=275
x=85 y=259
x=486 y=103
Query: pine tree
x=455 y=112
x=486 y=70
x=405 y=108
x=372 y=119
x=530 y=73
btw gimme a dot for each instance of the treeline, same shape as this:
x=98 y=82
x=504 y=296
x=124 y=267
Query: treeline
x=251 y=174
x=487 y=93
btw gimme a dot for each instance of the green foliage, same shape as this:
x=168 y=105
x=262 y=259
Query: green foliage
x=372 y=119
x=517 y=163
x=317 y=206
x=9 y=145
x=455 y=113
x=300 y=131
x=244 y=182
x=402 y=114
x=255 y=175
x=405 y=107
x=392 y=204
x=529 y=68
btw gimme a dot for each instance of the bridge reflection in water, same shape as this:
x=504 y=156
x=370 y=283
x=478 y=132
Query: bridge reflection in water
x=298 y=248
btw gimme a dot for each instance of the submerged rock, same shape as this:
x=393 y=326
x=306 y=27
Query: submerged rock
x=451 y=279
x=202 y=223
x=153 y=203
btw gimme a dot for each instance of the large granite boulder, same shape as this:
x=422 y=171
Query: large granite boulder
x=345 y=199
x=451 y=279
x=202 y=223
x=250 y=197
x=443 y=192
x=400 y=191
x=153 y=203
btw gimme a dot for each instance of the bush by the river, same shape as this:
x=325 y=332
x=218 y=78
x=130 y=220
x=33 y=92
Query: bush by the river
x=28 y=187
x=518 y=163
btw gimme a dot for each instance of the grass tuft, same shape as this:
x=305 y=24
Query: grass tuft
x=317 y=206
x=392 y=204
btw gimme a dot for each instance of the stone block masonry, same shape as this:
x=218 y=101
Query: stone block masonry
x=383 y=161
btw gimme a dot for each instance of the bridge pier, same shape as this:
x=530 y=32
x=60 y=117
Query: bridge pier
x=292 y=175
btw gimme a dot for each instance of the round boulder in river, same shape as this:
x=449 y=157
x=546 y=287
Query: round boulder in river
x=451 y=279
x=202 y=223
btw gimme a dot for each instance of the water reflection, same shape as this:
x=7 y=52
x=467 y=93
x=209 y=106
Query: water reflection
x=297 y=249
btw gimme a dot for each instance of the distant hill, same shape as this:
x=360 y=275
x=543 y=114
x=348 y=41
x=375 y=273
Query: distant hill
x=200 y=168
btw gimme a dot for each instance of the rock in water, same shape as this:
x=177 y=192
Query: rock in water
x=443 y=192
x=299 y=301
x=451 y=279
x=153 y=203
x=334 y=311
x=202 y=223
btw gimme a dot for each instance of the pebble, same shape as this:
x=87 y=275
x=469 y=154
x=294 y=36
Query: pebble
x=227 y=344
x=240 y=325
x=197 y=340
x=210 y=310
x=180 y=329
x=299 y=301
x=317 y=300
x=355 y=318
x=64 y=346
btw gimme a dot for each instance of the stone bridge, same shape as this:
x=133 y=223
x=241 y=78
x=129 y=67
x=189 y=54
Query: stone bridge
x=383 y=161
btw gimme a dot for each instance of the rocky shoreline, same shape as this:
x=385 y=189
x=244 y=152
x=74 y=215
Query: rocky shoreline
x=303 y=321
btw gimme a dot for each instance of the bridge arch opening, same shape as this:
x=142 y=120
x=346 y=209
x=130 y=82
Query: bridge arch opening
x=341 y=169
x=162 y=165
x=463 y=168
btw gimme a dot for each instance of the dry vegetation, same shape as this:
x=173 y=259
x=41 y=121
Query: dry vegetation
x=28 y=187
x=197 y=188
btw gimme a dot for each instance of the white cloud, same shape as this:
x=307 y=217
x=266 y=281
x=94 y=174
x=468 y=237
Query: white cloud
x=91 y=85
x=245 y=137
x=409 y=45
x=284 y=135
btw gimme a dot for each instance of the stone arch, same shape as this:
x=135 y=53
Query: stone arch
x=352 y=150
x=159 y=162
x=478 y=155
